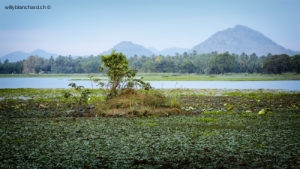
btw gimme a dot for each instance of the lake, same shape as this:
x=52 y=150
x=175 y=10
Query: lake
x=289 y=85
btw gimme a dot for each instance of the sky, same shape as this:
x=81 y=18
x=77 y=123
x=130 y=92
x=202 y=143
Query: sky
x=85 y=27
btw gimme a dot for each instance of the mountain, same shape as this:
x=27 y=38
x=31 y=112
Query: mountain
x=173 y=51
x=42 y=53
x=154 y=51
x=19 y=55
x=14 y=56
x=130 y=49
x=241 y=39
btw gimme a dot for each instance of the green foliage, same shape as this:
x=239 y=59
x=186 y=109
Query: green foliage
x=173 y=98
x=277 y=64
x=36 y=64
x=295 y=61
x=188 y=67
x=200 y=141
x=211 y=63
x=222 y=63
x=80 y=96
x=48 y=102
x=67 y=64
x=11 y=67
x=34 y=135
x=119 y=74
x=206 y=120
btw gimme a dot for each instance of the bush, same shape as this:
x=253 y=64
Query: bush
x=119 y=74
x=80 y=95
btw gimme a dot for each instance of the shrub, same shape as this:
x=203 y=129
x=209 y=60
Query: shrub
x=119 y=74
x=79 y=96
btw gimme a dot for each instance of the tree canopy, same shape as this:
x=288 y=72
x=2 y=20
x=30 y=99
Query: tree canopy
x=210 y=63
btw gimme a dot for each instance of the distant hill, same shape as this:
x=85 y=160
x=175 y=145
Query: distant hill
x=19 y=55
x=42 y=53
x=14 y=56
x=154 y=51
x=130 y=49
x=241 y=39
x=173 y=51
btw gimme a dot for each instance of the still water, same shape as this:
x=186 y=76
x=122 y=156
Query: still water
x=289 y=85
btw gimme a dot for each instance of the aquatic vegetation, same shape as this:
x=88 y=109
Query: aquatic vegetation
x=227 y=141
x=79 y=95
x=36 y=131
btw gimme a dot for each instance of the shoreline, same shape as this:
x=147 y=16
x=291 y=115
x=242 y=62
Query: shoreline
x=170 y=76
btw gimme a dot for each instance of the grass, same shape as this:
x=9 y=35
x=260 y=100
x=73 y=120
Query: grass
x=175 y=76
x=137 y=103
x=222 y=129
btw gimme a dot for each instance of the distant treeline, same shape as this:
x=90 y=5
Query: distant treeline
x=212 y=63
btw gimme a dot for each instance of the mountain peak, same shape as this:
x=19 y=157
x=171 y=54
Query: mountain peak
x=38 y=51
x=126 y=44
x=130 y=49
x=19 y=55
x=241 y=39
x=241 y=27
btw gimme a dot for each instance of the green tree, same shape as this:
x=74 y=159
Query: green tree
x=119 y=74
x=64 y=64
x=51 y=63
x=35 y=64
x=243 y=62
x=148 y=66
x=295 y=61
x=188 y=67
x=222 y=63
x=277 y=64
x=11 y=67
x=162 y=66
x=91 y=65
x=253 y=63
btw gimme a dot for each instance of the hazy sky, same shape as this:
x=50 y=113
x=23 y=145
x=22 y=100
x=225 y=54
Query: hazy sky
x=84 y=27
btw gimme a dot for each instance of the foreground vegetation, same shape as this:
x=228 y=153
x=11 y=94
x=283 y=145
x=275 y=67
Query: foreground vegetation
x=128 y=124
x=41 y=128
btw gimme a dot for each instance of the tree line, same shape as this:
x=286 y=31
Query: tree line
x=61 y=64
x=217 y=63
x=211 y=63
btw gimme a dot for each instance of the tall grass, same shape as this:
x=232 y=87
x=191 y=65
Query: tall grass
x=139 y=103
